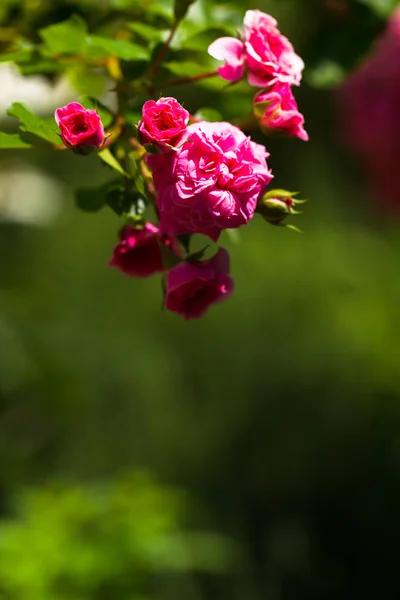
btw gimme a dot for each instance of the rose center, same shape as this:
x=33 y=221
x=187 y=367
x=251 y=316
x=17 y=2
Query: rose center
x=164 y=121
x=77 y=124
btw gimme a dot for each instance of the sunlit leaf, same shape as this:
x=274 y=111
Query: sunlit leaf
x=31 y=123
x=112 y=162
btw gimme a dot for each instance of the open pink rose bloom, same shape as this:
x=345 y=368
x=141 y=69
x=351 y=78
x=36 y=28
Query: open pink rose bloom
x=264 y=52
x=213 y=182
x=79 y=126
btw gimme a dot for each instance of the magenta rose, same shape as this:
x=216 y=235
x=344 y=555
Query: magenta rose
x=267 y=54
x=277 y=111
x=164 y=123
x=213 y=182
x=369 y=117
x=79 y=126
x=192 y=287
x=138 y=253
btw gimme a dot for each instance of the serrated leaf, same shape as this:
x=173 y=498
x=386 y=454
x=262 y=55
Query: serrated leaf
x=68 y=37
x=122 y=49
x=31 y=123
x=9 y=141
x=112 y=162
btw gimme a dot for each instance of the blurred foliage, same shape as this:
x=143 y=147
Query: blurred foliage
x=72 y=542
x=279 y=412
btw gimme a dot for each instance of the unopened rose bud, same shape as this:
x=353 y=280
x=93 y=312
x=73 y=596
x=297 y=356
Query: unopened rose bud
x=276 y=205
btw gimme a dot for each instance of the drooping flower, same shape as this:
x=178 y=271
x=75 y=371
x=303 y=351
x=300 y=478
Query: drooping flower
x=163 y=123
x=277 y=111
x=79 y=126
x=138 y=253
x=192 y=287
x=212 y=183
x=267 y=54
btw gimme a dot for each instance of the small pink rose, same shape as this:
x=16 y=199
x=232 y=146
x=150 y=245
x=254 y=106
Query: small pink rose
x=79 y=126
x=163 y=123
x=276 y=110
x=213 y=182
x=192 y=287
x=138 y=253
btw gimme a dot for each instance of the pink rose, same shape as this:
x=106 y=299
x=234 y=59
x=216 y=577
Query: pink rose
x=79 y=126
x=368 y=112
x=267 y=54
x=213 y=182
x=138 y=252
x=192 y=287
x=164 y=122
x=276 y=110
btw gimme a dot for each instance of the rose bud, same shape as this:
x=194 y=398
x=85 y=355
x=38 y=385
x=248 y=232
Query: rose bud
x=81 y=128
x=139 y=252
x=192 y=287
x=276 y=205
x=163 y=124
x=276 y=111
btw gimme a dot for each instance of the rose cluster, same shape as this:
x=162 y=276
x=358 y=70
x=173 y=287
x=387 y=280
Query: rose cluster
x=205 y=177
x=269 y=61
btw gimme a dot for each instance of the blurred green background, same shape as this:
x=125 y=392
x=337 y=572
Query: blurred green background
x=253 y=454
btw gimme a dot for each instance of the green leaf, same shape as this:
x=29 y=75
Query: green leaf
x=91 y=199
x=86 y=80
x=146 y=32
x=68 y=37
x=119 y=48
x=203 y=38
x=22 y=53
x=112 y=162
x=9 y=141
x=181 y=7
x=31 y=123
